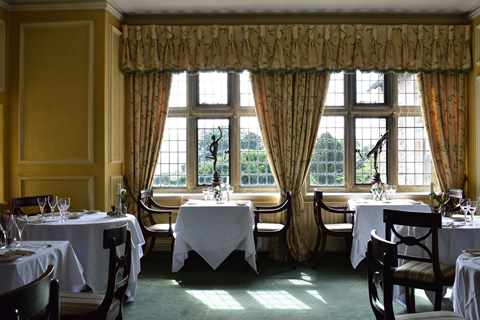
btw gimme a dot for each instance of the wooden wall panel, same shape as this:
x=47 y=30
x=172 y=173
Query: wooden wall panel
x=79 y=189
x=117 y=101
x=56 y=92
x=3 y=55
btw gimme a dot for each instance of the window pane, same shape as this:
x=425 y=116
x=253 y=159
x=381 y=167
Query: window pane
x=178 y=91
x=336 y=90
x=327 y=166
x=171 y=170
x=206 y=129
x=213 y=87
x=246 y=93
x=408 y=92
x=367 y=133
x=370 y=87
x=254 y=168
x=414 y=156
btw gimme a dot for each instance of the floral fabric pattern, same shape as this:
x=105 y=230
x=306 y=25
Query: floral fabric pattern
x=296 y=47
x=289 y=106
x=444 y=96
x=147 y=111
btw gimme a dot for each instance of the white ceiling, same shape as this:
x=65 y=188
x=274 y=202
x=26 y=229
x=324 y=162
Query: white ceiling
x=280 y=6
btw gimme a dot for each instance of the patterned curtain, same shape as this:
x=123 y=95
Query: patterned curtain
x=296 y=47
x=148 y=95
x=444 y=98
x=289 y=106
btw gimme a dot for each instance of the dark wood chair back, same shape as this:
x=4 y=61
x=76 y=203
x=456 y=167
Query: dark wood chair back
x=380 y=263
x=285 y=207
x=320 y=206
x=38 y=299
x=455 y=198
x=430 y=221
x=18 y=204
x=118 y=267
x=147 y=207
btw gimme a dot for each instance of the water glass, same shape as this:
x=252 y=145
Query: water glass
x=52 y=203
x=42 y=202
x=63 y=205
x=21 y=221
x=472 y=208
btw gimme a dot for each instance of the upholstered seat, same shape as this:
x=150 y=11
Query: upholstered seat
x=269 y=227
x=79 y=305
x=436 y=315
x=339 y=227
x=160 y=227
x=422 y=271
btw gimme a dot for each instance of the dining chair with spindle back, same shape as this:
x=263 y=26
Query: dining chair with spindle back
x=381 y=264
x=36 y=300
x=19 y=204
x=86 y=305
x=279 y=230
x=147 y=209
x=418 y=271
x=338 y=230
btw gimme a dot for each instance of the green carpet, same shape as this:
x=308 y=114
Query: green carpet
x=332 y=290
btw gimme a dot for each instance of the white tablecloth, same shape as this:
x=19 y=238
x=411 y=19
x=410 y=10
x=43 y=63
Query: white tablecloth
x=86 y=236
x=214 y=231
x=26 y=269
x=369 y=216
x=466 y=290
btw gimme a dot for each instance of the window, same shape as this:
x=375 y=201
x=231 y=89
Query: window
x=367 y=132
x=254 y=167
x=213 y=88
x=327 y=164
x=207 y=131
x=370 y=87
x=359 y=108
x=171 y=169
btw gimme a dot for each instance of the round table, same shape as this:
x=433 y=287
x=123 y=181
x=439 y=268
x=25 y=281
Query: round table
x=86 y=236
x=466 y=289
x=25 y=269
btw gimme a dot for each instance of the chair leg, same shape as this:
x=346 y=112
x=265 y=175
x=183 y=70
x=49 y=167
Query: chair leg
x=172 y=247
x=438 y=299
x=152 y=244
x=348 y=246
x=315 y=249
x=323 y=243
x=410 y=299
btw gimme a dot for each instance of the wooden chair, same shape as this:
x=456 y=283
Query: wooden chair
x=382 y=262
x=108 y=306
x=268 y=230
x=147 y=208
x=342 y=230
x=18 y=204
x=38 y=299
x=419 y=272
x=455 y=198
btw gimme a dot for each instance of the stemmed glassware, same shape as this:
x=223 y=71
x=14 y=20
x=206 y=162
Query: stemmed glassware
x=21 y=221
x=63 y=205
x=42 y=202
x=468 y=208
x=52 y=203
x=3 y=237
x=472 y=208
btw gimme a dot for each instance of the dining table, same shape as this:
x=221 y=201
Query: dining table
x=214 y=230
x=84 y=230
x=369 y=216
x=466 y=289
x=20 y=265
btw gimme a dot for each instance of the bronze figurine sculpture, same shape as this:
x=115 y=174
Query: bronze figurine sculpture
x=213 y=148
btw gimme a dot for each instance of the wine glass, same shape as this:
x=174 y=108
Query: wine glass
x=63 y=205
x=52 y=203
x=21 y=221
x=42 y=202
x=3 y=238
x=472 y=208
x=465 y=207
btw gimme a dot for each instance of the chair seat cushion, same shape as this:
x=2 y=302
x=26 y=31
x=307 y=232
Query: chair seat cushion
x=437 y=315
x=423 y=272
x=79 y=303
x=269 y=227
x=160 y=227
x=340 y=227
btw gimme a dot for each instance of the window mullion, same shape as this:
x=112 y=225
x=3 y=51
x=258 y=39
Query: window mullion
x=349 y=133
x=192 y=92
x=235 y=131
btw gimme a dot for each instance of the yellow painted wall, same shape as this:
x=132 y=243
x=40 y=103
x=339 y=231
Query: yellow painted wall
x=56 y=123
x=4 y=38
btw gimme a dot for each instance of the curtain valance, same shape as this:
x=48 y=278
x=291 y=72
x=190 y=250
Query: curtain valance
x=296 y=47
